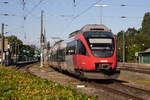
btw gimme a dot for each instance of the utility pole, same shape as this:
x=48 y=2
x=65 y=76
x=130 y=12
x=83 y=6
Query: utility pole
x=41 y=40
x=123 y=5
x=123 y=47
x=2 y=45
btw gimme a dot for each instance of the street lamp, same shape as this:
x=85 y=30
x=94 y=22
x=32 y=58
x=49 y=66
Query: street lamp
x=123 y=5
x=123 y=17
x=101 y=11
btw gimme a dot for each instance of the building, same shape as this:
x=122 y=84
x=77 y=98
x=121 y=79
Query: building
x=144 y=57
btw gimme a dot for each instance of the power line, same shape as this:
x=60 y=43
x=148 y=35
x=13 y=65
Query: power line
x=35 y=6
x=28 y=13
x=84 y=11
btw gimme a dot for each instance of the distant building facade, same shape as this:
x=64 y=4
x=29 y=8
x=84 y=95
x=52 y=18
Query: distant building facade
x=144 y=57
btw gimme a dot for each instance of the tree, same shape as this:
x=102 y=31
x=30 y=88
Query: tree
x=131 y=45
x=146 y=24
x=144 y=36
x=15 y=43
x=18 y=48
x=135 y=40
x=29 y=49
x=119 y=42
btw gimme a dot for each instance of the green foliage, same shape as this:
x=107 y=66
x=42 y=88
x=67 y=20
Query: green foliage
x=146 y=24
x=29 y=48
x=132 y=44
x=14 y=43
x=131 y=50
x=18 y=48
x=119 y=42
x=135 y=40
x=17 y=85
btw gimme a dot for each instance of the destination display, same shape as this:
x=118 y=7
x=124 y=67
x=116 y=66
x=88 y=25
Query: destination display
x=100 y=40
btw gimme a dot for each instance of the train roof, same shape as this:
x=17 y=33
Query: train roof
x=91 y=27
x=95 y=27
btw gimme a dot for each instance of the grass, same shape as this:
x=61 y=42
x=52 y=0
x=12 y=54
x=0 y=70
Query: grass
x=131 y=77
x=16 y=85
x=145 y=83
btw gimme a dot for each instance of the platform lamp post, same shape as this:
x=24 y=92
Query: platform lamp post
x=101 y=11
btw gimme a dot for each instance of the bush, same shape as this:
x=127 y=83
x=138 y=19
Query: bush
x=15 y=84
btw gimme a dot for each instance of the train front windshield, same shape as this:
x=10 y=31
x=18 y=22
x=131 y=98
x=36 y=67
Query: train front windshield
x=101 y=43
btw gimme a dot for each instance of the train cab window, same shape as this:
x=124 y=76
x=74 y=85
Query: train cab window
x=101 y=44
x=81 y=48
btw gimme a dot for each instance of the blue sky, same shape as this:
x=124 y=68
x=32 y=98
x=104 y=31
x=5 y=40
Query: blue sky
x=58 y=16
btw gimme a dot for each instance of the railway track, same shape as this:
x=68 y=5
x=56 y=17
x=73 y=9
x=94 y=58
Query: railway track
x=134 y=69
x=116 y=89
x=138 y=92
x=130 y=90
x=122 y=91
x=25 y=66
x=117 y=92
x=140 y=68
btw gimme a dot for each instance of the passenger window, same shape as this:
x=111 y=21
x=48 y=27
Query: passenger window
x=71 y=48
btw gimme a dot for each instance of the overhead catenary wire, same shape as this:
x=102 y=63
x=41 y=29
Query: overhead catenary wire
x=35 y=6
x=84 y=11
x=29 y=12
x=23 y=23
x=81 y=13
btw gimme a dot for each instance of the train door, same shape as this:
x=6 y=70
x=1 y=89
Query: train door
x=82 y=59
x=75 y=56
x=70 y=52
x=58 y=56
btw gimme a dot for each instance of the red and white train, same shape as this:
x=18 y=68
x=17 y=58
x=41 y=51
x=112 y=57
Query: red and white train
x=89 y=53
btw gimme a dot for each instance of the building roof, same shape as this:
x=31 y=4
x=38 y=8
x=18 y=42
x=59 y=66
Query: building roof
x=147 y=51
x=95 y=27
x=90 y=27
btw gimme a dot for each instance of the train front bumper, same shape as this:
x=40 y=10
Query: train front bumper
x=102 y=75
